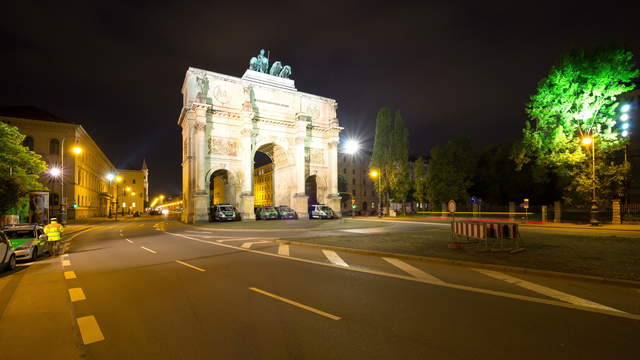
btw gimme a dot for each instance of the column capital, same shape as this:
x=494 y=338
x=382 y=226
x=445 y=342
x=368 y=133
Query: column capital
x=199 y=126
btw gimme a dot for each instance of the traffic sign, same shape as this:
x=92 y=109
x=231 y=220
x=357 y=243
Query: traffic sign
x=451 y=206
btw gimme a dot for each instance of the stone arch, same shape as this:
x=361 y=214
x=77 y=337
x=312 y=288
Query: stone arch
x=221 y=187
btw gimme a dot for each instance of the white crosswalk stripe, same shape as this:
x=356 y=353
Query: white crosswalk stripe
x=334 y=257
x=556 y=294
x=283 y=249
x=412 y=270
x=248 y=244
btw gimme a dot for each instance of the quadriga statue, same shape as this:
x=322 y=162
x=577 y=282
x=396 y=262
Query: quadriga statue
x=276 y=68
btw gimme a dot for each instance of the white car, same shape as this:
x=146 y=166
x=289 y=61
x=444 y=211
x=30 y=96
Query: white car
x=28 y=240
x=7 y=256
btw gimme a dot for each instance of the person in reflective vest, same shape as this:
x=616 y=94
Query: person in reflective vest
x=54 y=232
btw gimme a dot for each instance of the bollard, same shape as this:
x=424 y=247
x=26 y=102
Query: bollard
x=615 y=212
x=557 y=211
x=444 y=210
x=544 y=210
x=475 y=210
x=512 y=210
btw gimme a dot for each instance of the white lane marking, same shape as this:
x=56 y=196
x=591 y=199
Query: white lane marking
x=149 y=250
x=70 y=275
x=191 y=266
x=556 y=294
x=76 y=294
x=239 y=239
x=414 y=271
x=66 y=263
x=198 y=231
x=121 y=235
x=89 y=329
x=141 y=225
x=297 y=304
x=131 y=242
x=334 y=258
x=248 y=244
x=65 y=256
x=283 y=249
x=532 y=299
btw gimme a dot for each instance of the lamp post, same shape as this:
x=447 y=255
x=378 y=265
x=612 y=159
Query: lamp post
x=118 y=180
x=59 y=172
x=375 y=174
x=590 y=140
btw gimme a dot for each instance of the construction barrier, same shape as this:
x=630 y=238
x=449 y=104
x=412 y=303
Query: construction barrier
x=488 y=230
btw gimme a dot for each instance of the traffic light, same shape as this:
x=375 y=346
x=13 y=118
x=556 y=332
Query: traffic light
x=75 y=206
x=353 y=203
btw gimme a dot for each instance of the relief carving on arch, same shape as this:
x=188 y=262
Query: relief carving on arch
x=221 y=146
x=316 y=156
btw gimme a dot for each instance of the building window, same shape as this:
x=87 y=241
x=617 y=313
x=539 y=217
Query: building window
x=353 y=171
x=353 y=181
x=133 y=181
x=345 y=171
x=54 y=147
x=54 y=199
x=354 y=192
x=28 y=142
x=365 y=192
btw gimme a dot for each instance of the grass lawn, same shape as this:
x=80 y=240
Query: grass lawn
x=319 y=225
x=608 y=256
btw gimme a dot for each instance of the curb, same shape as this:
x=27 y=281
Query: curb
x=523 y=270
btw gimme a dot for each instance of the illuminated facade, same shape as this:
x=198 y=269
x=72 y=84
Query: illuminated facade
x=354 y=168
x=263 y=185
x=87 y=192
x=225 y=120
x=133 y=191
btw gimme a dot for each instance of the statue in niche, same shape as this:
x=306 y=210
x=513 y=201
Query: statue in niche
x=203 y=87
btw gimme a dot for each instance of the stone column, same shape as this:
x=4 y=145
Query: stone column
x=557 y=211
x=615 y=212
x=300 y=199
x=200 y=198
x=333 y=198
x=246 y=195
x=187 y=166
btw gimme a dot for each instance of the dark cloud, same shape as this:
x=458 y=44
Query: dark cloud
x=451 y=69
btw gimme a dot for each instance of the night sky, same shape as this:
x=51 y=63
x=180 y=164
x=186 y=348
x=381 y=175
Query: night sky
x=451 y=70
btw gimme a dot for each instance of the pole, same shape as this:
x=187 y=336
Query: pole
x=63 y=200
x=594 y=206
x=379 y=196
x=116 y=201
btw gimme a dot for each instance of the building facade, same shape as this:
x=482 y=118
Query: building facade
x=133 y=191
x=225 y=120
x=263 y=185
x=360 y=187
x=82 y=184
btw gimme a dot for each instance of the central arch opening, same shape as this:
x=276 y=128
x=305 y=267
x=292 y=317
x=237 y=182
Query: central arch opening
x=311 y=189
x=263 y=169
x=219 y=188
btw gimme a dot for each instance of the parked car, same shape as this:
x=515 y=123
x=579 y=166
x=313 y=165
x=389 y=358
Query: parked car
x=266 y=213
x=222 y=212
x=7 y=255
x=320 y=211
x=285 y=212
x=28 y=240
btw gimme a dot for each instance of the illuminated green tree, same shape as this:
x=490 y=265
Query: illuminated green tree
x=381 y=156
x=399 y=177
x=579 y=98
x=420 y=181
x=19 y=168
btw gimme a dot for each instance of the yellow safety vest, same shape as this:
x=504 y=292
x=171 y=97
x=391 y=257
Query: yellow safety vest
x=53 y=231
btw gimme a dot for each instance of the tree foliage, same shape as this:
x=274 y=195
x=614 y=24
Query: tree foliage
x=19 y=168
x=381 y=154
x=450 y=171
x=578 y=98
x=420 y=181
x=399 y=176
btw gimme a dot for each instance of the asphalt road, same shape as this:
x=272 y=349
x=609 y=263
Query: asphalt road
x=155 y=289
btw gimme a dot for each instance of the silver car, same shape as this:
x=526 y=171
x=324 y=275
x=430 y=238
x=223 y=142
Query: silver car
x=7 y=256
x=28 y=240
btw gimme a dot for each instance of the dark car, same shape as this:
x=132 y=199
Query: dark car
x=222 y=212
x=266 y=213
x=285 y=212
x=320 y=211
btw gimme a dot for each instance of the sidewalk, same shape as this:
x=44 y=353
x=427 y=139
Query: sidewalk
x=422 y=219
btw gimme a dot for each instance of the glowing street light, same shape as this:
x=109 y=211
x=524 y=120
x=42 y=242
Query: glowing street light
x=375 y=174
x=624 y=117
x=625 y=133
x=76 y=150
x=625 y=108
x=55 y=172
x=118 y=178
x=352 y=146
x=586 y=140
x=110 y=177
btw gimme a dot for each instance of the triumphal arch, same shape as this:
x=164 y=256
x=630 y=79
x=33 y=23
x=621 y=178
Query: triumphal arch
x=225 y=120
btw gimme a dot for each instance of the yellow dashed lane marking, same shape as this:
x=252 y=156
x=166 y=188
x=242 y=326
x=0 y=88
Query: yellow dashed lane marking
x=149 y=250
x=89 y=329
x=76 y=294
x=69 y=275
x=297 y=304
x=66 y=263
x=189 y=265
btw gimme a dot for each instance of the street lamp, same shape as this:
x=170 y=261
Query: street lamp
x=375 y=174
x=351 y=146
x=588 y=140
x=118 y=180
